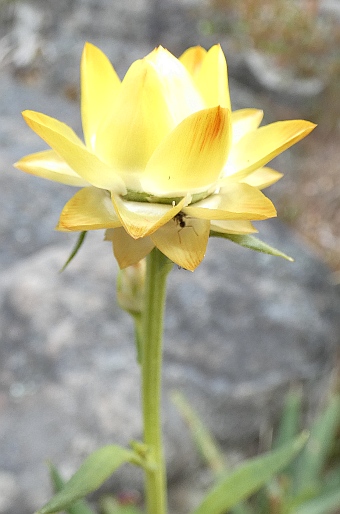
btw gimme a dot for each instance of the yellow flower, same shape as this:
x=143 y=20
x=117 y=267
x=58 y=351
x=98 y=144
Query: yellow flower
x=165 y=161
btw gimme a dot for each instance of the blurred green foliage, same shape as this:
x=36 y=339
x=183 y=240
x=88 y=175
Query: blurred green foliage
x=310 y=484
x=307 y=484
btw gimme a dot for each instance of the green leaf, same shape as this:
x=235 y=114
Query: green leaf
x=290 y=418
x=97 y=468
x=204 y=441
x=80 y=507
x=322 y=437
x=248 y=478
x=325 y=504
x=253 y=243
x=75 y=250
x=289 y=424
x=276 y=492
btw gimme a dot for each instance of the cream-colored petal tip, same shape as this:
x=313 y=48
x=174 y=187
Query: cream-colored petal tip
x=309 y=125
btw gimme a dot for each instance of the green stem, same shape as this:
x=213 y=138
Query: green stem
x=158 y=267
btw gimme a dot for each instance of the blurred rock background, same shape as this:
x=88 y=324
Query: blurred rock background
x=242 y=329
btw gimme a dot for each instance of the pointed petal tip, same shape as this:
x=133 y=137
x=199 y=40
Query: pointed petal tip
x=34 y=116
x=90 y=47
x=26 y=113
x=309 y=125
x=303 y=127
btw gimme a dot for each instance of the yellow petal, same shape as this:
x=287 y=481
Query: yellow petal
x=89 y=209
x=212 y=79
x=49 y=165
x=191 y=158
x=156 y=94
x=185 y=246
x=260 y=146
x=126 y=249
x=237 y=202
x=192 y=59
x=243 y=121
x=233 y=227
x=263 y=177
x=99 y=87
x=140 y=219
x=177 y=85
x=67 y=144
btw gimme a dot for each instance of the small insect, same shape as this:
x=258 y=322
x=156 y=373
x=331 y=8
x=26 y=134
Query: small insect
x=181 y=220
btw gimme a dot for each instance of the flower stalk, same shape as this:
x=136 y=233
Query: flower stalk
x=158 y=267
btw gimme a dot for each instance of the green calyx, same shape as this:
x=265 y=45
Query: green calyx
x=134 y=196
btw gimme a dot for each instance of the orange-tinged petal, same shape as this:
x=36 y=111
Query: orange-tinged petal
x=126 y=249
x=89 y=209
x=192 y=156
x=49 y=165
x=237 y=202
x=233 y=227
x=156 y=94
x=212 y=79
x=243 y=121
x=263 y=177
x=67 y=144
x=260 y=146
x=140 y=219
x=185 y=246
x=192 y=59
x=99 y=87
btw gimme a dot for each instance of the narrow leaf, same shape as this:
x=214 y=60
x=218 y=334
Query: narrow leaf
x=275 y=491
x=97 y=468
x=248 y=478
x=75 y=250
x=325 y=504
x=289 y=423
x=322 y=436
x=204 y=441
x=253 y=243
x=80 y=507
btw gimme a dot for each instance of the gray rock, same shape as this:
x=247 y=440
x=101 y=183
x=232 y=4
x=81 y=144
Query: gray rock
x=238 y=332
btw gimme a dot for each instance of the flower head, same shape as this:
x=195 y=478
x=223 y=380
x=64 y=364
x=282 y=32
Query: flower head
x=165 y=161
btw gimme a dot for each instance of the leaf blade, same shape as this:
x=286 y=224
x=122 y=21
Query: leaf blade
x=248 y=478
x=75 y=250
x=80 y=507
x=325 y=504
x=94 y=471
x=252 y=243
x=322 y=434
